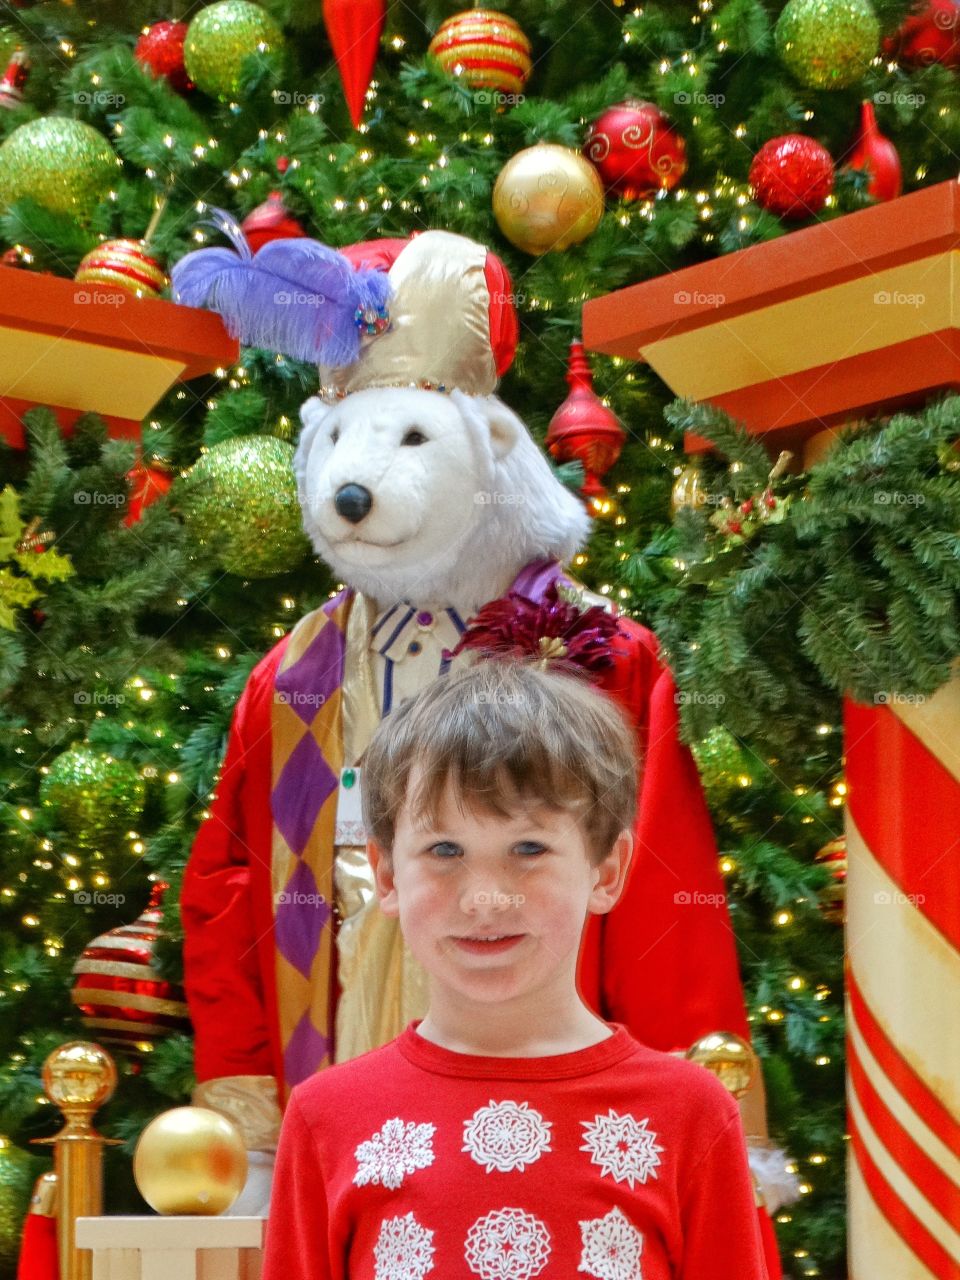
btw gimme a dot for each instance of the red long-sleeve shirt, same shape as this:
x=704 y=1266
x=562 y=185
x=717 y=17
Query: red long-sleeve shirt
x=615 y=1161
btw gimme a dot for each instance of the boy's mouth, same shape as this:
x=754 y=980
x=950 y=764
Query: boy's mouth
x=485 y=943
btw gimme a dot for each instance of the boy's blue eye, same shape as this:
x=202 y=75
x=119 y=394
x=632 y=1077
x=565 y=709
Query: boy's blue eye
x=529 y=847
x=445 y=849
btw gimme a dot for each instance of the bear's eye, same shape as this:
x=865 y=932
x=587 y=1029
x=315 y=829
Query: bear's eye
x=334 y=436
x=414 y=437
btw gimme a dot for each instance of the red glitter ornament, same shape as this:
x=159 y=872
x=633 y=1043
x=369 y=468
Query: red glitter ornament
x=876 y=155
x=583 y=429
x=930 y=34
x=271 y=220
x=792 y=175
x=160 y=49
x=636 y=150
x=118 y=991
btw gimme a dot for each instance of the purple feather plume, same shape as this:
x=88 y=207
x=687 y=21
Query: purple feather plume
x=295 y=296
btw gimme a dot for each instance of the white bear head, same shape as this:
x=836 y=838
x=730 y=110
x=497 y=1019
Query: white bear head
x=434 y=498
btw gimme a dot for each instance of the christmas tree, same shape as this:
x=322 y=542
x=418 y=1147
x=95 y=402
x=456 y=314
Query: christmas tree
x=132 y=611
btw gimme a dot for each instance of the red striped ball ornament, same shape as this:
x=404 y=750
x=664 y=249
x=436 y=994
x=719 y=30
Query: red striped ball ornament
x=122 y=998
x=123 y=264
x=486 y=49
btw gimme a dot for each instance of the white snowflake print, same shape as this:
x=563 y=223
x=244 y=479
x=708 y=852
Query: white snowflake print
x=507 y=1244
x=396 y=1150
x=506 y=1136
x=622 y=1147
x=404 y=1250
x=611 y=1247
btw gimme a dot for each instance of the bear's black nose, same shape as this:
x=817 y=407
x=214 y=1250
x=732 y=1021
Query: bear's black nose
x=353 y=501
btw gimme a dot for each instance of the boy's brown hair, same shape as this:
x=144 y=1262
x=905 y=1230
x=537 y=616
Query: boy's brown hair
x=505 y=734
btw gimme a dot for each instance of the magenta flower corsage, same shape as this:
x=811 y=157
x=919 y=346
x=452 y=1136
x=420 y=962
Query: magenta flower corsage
x=558 y=630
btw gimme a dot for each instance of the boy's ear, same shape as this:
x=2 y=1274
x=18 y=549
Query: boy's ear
x=611 y=875
x=382 y=866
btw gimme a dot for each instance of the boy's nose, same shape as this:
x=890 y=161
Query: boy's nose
x=488 y=900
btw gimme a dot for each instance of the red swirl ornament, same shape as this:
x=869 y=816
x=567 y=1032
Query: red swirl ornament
x=636 y=149
x=931 y=33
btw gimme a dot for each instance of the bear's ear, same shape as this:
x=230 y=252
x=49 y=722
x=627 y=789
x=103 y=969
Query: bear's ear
x=313 y=414
x=502 y=425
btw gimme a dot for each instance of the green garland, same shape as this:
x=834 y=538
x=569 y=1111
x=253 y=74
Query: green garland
x=784 y=593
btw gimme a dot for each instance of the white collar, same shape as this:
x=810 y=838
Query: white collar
x=397 y=627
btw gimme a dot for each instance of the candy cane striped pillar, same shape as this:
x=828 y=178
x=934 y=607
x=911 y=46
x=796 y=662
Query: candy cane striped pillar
x=903 y=986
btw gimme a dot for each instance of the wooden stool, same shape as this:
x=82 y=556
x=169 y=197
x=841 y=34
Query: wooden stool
x=174 y=1248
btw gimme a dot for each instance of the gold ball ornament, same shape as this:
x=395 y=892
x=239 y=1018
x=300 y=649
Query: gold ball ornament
x=79 y=1077
x=729 y=1057
x=123 y=264
x=485 y=49
x=688 y=489
x=190 y=1160
x=547 y=197
x=65 y=165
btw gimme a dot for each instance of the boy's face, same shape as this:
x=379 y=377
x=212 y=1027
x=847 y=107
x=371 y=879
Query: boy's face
x=527 y=881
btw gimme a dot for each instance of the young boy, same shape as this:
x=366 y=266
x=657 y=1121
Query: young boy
x=511 y=1133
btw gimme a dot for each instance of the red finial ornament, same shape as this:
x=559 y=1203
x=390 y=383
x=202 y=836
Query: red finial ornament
x=583 y=429
x=354 y=28
x=877 y=156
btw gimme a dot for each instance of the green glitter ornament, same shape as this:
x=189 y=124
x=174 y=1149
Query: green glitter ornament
x=220 y=37
x=94 y=797
x=65 y=165
x=18 y=1172
x=10 y=41
x=722 y=764
x=827 y=44
x=241 y=498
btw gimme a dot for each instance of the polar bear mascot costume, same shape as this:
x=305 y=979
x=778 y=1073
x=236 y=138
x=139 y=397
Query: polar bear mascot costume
x=427 y=496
